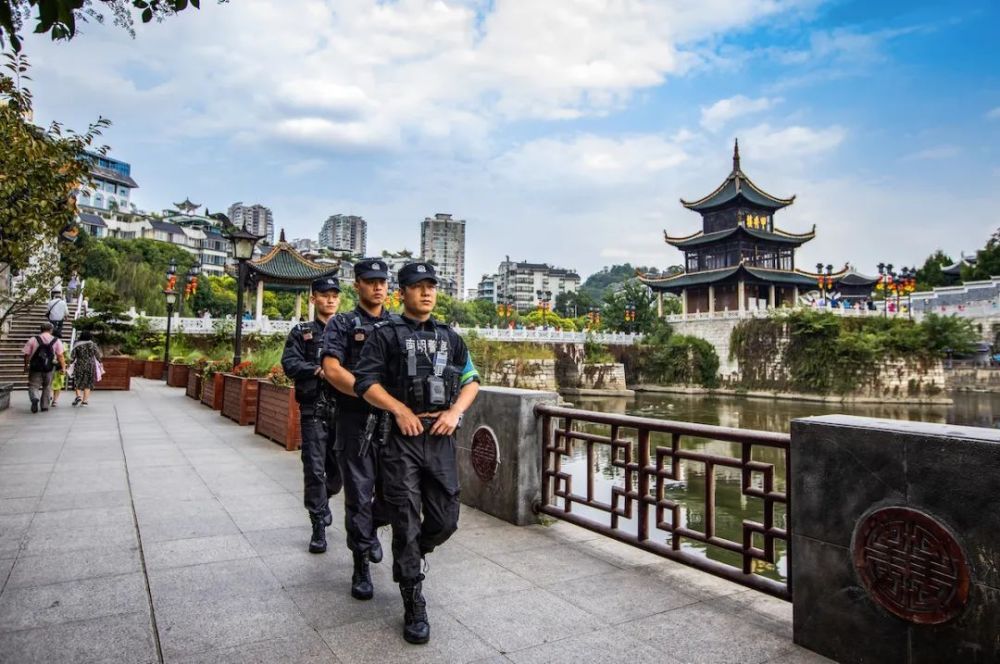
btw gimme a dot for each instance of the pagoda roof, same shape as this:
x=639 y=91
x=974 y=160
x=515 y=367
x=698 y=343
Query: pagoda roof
x=187 y=206
x=701 y=238
x=285 y=266
x=705 y=277
x=851 y=277
x=737 y=185
x=955 y=270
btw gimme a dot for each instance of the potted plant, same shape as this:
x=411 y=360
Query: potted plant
x=154 y=368
x=194 y=378
x=239 y=401
x=277 y=410
x=211 y=384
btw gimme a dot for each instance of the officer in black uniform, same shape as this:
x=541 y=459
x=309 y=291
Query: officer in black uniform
x=357 y=443
x=302 y=363
x=420 y=373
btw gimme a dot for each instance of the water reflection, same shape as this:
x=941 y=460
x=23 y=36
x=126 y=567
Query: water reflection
x=732 y=507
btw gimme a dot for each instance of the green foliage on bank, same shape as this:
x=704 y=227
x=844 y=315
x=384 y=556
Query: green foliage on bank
x=490 y=356
x=818 y=352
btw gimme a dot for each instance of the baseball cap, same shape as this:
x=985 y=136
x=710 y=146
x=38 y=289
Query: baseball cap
x=326 y=284
x=412 y=273
x=371 y=268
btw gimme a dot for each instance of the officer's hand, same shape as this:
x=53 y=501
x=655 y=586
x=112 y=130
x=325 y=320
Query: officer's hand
x=318 y=371
x=446 y=423
x=409 y=423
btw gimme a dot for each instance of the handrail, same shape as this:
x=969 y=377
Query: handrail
x=76 y=315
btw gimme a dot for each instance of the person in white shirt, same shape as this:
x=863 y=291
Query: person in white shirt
x=56 y=311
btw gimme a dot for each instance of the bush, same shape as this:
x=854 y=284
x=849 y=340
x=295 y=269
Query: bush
x=686 y=360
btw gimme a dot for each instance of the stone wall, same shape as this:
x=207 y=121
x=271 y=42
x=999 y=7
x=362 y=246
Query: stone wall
x=607 y=376
x=524 y=374
x=972 y=379
x=716 y=332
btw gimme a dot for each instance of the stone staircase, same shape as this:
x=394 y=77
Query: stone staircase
x=22 y=327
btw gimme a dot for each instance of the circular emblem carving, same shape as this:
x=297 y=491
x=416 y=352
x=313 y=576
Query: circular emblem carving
x=485 y=453
x=911 y=565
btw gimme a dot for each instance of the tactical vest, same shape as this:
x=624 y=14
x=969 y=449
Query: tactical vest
x=308 y=390
x=426 y=381
x=360 y=331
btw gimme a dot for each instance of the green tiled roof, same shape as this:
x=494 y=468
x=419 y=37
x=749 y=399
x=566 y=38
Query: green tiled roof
x=737 y=185
x=703 y=239
x=688 y=279
x=284 y=265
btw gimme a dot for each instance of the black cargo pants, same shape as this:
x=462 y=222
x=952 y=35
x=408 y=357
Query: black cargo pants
x=419 y=474
x=363 y=509
x=319 y=461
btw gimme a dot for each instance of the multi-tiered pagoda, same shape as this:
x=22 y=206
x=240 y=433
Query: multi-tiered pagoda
x=739 y=259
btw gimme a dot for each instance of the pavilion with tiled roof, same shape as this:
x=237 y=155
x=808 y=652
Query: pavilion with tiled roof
x=285 y=269
x=738 y=260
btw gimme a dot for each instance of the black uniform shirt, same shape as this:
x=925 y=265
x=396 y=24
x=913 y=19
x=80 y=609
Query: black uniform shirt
x=337 y=338
x=301 y=359
x=380 y=358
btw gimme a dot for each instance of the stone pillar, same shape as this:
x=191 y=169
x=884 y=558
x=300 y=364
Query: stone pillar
x=795 y=296
x=298 y=305
x=312 y=310
x=684 y=303
x=894 y=536
x=659 y=304
x=499 y=453
x=260 y=300
x=771 y=297
x=741 y=293
x=711 y=299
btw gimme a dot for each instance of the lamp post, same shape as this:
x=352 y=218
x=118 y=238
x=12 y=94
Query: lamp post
x=189 y=288
x=824 y=281
x=629 y=317
x=171 y=295
x=887 y=283
x=243 y=242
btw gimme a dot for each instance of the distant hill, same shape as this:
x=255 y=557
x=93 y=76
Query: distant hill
x=610 y=278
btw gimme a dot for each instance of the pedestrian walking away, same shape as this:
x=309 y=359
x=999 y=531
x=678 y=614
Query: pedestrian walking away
x=356 y=444
x=56 y=310
x=85 y=367
x=419 y=371
x=42 y=353
x=302 y=363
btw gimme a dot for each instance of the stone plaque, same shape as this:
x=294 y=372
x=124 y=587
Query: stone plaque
x=485 y=453
x=911 y=565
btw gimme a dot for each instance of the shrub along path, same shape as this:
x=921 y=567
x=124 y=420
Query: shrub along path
x=147 y=528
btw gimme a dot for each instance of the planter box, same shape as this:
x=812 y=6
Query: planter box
x=193 y=384
x=117 y=373
x=239 y=401
x=5 y=391
x=177 y=375
x=211 y=391
x=137 y=368
x=278 y=415
x=154 y=370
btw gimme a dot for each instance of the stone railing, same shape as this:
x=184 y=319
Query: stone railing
x=979 y=310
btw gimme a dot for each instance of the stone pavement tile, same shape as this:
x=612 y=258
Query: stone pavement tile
x=73 y=482
x=5 y=566
x=226 y=578
x=56 y=567
x=47 y=540
x=87 y=467
x=523 y=619
x=500 y=539
x=305 y=648
x=124 y=639
x=603 y=647
x=187 y=526
x=196 y=550
x=11 y=471
x=553 y=563
x=770 y=613
x=144 y=459
x=292 y=541
x=13 y=528
x=331 y=605
x=53 y=502
x=40 y=606
x=208 y=623
x=567 y=532
x=799 y=655
x=17 y=453
x=473 y=579
x=470 y=517
x=165 y=509
x=618 y=553
x=692 y=581
x=88 y=453
x=302 y=568
x=704 y=633
x=24 y=485
x=90 y=516
x=245 y=485
x=268 y=519
x=448 y=554
x=620 y=596
x=450 y=641
x=262 y=501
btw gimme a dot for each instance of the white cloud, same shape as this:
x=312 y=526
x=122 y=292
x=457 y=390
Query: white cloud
x=716 y=116
x=780 y=145
x=934 y=153
x=993 y=114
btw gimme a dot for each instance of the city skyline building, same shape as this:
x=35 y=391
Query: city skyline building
x=442 y=241
x=526 y=285
x=110 y=186
x=256 y=218
x=344 y=232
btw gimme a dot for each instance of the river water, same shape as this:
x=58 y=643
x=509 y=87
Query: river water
x=732 y=507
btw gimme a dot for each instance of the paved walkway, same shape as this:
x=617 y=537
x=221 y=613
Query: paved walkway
x=147 y=528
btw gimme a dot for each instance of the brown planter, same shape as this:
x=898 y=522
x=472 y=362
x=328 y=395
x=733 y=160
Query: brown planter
x=239 y=401
x=177 y=375
x=116 y=374
x=194 y=384
x=211 y=391
x=137 y=368
x=154 y=370
x=278 y=415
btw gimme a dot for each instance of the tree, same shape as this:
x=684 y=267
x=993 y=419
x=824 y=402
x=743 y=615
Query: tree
x=616 y=313
x=930 y=274
x=574 y=304
x=987 y=260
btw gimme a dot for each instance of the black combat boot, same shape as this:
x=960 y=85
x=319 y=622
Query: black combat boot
x=375 y=552
x=361 y=580
x=318 y=542
x=416 y=628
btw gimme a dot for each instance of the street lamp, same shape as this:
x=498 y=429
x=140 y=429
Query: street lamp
x=886 y=283
x=243 y=242
x=171 y=295
x=824 y=281
x=190 y=288
x=629 y=316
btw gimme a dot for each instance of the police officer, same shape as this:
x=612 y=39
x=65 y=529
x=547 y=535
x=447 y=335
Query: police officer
x=419 y=372
x=357 y=448
x=301 y=362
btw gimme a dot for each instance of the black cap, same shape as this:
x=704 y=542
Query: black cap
x=326 y=284
x=371 y=268
x=412 y=273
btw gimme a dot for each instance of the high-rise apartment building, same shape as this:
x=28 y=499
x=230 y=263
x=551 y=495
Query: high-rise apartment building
x=526 y=284
x=442 y=240
x=255 y=218
x=345 y=232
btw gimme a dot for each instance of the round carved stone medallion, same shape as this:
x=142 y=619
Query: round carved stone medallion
x=485 y=453
x=911 y=565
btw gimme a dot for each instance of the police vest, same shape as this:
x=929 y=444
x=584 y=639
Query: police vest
x=360 y=331
x=308 y=390
x=426 y=380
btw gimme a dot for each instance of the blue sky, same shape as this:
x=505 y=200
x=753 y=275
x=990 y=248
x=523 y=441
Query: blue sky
x=563 y=131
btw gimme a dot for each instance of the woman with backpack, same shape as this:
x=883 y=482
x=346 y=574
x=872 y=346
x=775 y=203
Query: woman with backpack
x=86 y=355
x=41 y=355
